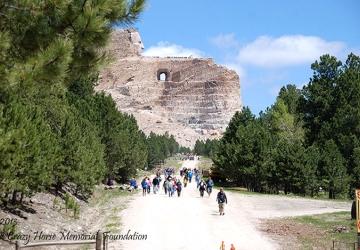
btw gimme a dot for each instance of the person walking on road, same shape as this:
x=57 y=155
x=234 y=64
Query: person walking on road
x=202 y=187
x=155 y=183
x=197 y=179
x=178 y=187
x=165 y=186
x=209 y=186
x=190 y=174
x=170 y=188
x=149 y=184
x=185 y=181
x=133 y=183
x=221 y=200
x=144 y=186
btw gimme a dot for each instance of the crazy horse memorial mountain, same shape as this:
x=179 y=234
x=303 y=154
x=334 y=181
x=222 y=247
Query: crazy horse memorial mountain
x=191 y=98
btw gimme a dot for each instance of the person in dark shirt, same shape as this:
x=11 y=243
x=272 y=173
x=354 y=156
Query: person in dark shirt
x=155 y=183
x=221 y=200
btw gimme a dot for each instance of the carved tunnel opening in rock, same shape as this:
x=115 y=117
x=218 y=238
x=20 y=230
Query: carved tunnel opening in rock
x=163 y=75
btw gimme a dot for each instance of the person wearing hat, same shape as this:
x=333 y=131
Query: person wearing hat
x=221 y=200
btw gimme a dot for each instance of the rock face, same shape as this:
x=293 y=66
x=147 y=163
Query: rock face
x=190 y=98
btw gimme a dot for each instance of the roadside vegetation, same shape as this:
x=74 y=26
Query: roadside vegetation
x=55 y=130
x=307 y=143
x=321 y=231
x=205 y=163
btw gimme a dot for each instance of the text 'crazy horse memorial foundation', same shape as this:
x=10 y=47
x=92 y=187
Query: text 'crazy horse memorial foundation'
x=191 y=98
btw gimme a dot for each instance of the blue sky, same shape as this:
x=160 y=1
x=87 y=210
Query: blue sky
x=269 y=43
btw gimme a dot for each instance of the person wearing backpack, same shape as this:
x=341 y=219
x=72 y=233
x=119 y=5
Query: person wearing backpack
x=202 y=187
x=221 y=200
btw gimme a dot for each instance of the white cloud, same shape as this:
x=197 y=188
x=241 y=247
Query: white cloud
x=270 y=52
x=225 y=41
x=164 y=49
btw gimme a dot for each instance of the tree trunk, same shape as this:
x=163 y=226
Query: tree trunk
x=58 y=187
x=13 y=199
x=21 y=197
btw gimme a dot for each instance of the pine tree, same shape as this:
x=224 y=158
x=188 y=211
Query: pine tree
x=47 y=48
x=334 y=175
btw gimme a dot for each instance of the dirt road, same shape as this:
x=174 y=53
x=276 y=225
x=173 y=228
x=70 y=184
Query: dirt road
x=191 y=222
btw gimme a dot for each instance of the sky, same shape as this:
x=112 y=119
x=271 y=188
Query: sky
x=268 y=43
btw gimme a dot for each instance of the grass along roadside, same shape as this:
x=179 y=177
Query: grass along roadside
x=101 y=196
x=111 y=202
x=313 y=231
x=205 y=163
x=323 y=196
x=174 y=162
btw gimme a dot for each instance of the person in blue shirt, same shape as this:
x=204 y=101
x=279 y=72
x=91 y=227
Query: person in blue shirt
x=133 y=183
x=197 y=179
x=190 y=174
x=144 y=186
x=209 y=186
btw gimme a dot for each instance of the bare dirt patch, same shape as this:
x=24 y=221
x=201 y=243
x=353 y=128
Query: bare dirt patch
x=289 y=234
x=321 y=231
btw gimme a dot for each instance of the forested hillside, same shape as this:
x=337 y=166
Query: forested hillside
x=308 y=140
x=54 y=129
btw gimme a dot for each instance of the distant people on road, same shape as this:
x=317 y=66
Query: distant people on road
x=202 y=188
x=181 y=172
x=197 y=179
x=190 y=174
x=221 y=200
x=155 y=184
x=149 y=184
x=170 y=188
x=165 y=185
x=144 y=185
x=133 y=183
x=174 y=185
x=209 y=186
x=178 y=187
x=185 y=181
x=168 y=172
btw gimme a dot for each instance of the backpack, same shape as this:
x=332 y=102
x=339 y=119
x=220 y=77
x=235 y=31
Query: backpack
x=221 y=197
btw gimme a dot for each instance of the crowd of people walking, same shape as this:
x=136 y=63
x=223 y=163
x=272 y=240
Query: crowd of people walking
x=174 y=185
x=167 y=181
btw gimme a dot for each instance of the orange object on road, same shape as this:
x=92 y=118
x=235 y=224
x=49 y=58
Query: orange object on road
x=222 y=246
